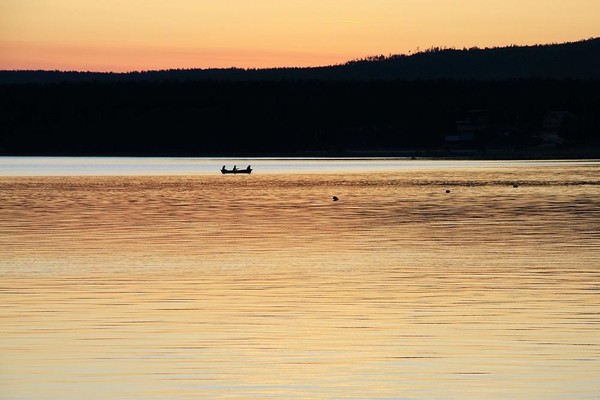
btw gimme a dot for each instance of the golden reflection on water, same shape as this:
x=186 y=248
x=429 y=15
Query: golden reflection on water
x=262 y=287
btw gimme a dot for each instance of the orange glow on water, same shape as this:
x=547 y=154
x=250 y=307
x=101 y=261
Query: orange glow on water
x=260 y=286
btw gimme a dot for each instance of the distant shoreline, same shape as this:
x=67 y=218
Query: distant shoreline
x=495 y=154
x=534 y=153
x=521 y=119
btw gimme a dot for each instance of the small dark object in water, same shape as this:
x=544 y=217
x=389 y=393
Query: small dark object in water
x=335 y=198
x=447 y=191
x=515 y=185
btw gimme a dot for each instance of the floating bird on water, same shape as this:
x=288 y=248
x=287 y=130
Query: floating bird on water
x=335 y=198
x=447 y=191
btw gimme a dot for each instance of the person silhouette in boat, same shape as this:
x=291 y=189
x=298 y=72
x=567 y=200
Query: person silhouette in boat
x=223 y=169
x=234 y=168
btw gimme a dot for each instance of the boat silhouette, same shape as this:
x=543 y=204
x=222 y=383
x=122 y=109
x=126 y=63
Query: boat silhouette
x=246 y=170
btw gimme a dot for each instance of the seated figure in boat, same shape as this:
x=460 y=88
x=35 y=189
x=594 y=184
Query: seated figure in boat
x=236 y=170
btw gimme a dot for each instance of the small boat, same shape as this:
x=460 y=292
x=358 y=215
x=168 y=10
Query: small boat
x=247 y=170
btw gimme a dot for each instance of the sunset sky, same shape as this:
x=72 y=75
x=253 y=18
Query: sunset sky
x=127 y=35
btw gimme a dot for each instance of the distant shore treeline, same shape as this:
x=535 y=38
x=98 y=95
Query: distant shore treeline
x=511 y=100
x=576 y=60
x=309 y=117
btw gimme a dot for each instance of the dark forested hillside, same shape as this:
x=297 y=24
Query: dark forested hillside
x=578 y=60
x=296 y=117
x=511 y=99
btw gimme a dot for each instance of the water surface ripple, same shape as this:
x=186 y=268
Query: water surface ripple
x=260 y=286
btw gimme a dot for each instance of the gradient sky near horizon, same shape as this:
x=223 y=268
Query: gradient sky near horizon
x=129 y=35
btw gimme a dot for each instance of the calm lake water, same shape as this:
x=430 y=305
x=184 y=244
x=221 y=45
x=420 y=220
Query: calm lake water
x=163 y=279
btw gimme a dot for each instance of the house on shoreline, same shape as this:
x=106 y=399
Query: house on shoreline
x=473 y=128
x=555 y=126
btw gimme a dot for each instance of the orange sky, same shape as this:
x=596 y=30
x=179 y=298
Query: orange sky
x=126 y=35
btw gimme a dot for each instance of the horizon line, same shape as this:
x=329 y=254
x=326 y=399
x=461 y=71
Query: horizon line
x=369 y=58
